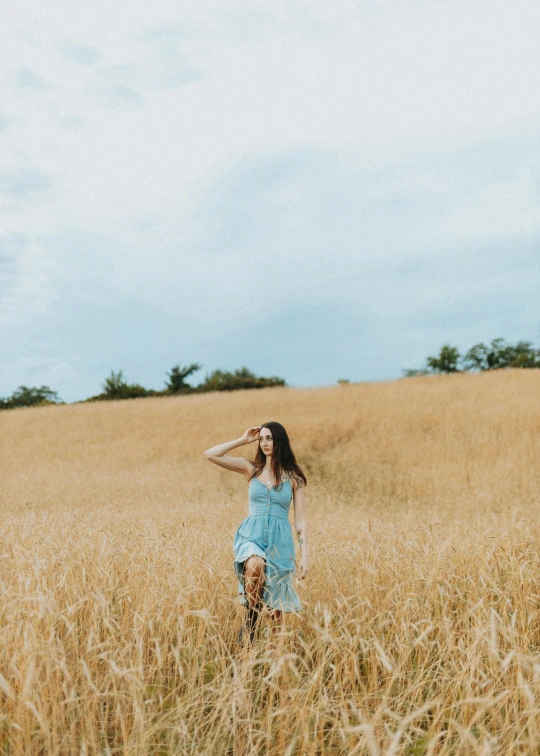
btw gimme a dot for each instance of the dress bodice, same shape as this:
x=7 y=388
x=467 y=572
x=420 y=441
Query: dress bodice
x=273 y=501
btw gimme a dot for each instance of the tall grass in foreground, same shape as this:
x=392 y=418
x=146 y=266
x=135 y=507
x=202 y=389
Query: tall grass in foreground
x=421 y=625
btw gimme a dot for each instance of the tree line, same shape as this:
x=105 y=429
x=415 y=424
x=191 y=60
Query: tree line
x=494 y=356
x=117 y=387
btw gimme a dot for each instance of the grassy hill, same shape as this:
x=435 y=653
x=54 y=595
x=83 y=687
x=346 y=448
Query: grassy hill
x=444 y=440
x=421 y=628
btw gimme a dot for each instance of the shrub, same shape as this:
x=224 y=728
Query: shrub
x=176 y=383
x=446 y=362
x=497 y=355
x=116 y=387
x=26 y=396
x=243 y=378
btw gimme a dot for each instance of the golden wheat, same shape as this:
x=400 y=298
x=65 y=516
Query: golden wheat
x=421 y=625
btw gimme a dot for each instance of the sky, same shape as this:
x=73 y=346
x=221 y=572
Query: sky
x=313 y=190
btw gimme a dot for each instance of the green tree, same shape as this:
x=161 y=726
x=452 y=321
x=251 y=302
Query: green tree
x=490 y=357
x=177 y=383
x=499 y=354
x=115 y=387
x=446 y=362
x=522 y=355
x=243 y=378
x=476 y=358
x=26 y=396
x=526 y=360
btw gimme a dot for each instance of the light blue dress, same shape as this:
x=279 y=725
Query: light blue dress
x=266 y=532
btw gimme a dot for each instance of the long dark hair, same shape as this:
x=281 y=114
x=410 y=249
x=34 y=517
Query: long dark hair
x=283 y=459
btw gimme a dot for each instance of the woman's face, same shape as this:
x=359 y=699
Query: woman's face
x=266 y=442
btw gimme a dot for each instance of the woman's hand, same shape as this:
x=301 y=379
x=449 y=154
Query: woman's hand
x=252 y=434
x=303 y=566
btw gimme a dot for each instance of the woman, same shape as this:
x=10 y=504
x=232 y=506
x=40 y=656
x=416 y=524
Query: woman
x=264 y=556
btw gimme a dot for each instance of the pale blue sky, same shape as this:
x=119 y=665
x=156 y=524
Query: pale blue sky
x=313 y=190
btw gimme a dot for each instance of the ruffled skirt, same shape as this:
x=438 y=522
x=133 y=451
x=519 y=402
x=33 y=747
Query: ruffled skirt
x=269 y=537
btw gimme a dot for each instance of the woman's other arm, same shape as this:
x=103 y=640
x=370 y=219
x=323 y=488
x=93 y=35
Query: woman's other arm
x=300 y=525
x=217 y=454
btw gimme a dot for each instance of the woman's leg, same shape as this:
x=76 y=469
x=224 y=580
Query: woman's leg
x=254 y=583
x=254 y=579
x=253 y=588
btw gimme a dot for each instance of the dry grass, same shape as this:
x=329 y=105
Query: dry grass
x=421 y=628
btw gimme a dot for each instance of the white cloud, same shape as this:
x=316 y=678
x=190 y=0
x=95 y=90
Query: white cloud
x=27 y=289
x=77 y=53
x=27 y=82
x=195 y=164
x=414 y=73
x=18 y=182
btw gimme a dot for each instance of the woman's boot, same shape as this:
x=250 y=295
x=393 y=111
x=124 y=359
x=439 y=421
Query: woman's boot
x=251 y=620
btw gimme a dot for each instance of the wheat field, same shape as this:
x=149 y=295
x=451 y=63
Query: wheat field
x=421 y=625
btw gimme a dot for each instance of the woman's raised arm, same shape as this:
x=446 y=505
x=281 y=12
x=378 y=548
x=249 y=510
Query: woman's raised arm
x=217 y=454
